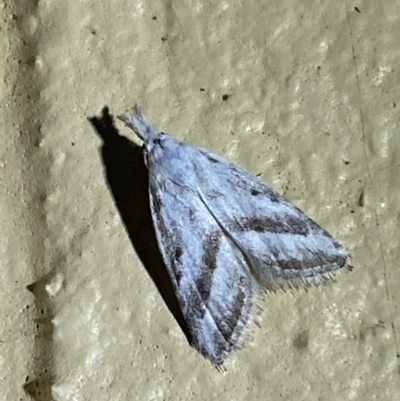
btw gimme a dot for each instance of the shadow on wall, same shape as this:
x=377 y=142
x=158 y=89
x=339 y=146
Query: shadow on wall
x=127 y=177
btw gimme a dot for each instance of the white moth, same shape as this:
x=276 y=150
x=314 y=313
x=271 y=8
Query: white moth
x=225 y=237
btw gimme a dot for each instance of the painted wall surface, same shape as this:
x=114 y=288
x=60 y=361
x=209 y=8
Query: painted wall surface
x=304 y=93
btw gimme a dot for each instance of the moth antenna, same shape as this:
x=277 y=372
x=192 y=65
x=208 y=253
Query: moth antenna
x=136 y=121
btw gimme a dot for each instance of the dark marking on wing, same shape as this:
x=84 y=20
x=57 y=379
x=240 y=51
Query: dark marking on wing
x=211 y=159
x=225 y=338
x=215 y=194
x=335 y=244
x=268 y=192
x=208 y=264
x=296 y=225
x=255 y=192
x=318 y=259
x=203 y=284
x=211 y=248
x=233 y=318
x=255 y=186
x=277 y=225
x=178 y=253
x=237 y=312
x=176 y=250
x=178 y=275
x=260 y=224
x=194 y=307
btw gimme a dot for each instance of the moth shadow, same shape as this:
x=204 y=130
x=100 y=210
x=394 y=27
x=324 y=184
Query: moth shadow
x=127 y=177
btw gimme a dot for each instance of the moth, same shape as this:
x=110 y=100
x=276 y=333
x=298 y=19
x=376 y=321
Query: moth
x=225 y=238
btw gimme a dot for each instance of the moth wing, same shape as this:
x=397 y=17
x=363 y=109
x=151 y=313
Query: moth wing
x=222 y=232
x=212 y=282
x=209 y=273
x=283 y=246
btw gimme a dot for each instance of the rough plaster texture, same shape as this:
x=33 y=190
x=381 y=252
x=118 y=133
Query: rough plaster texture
x=313 y=105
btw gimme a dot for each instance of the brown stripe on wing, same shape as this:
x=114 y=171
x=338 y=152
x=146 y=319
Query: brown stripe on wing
x=318 y=259
x=208 y=265
x=276 y=225
x=231 y=321
x=237 y=310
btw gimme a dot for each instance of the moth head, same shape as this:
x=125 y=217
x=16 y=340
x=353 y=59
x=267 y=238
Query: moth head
x=138 y=123
x=155 y=141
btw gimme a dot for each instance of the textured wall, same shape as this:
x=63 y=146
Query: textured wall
x=313 y=95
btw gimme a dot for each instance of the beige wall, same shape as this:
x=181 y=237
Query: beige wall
x=313 y=106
